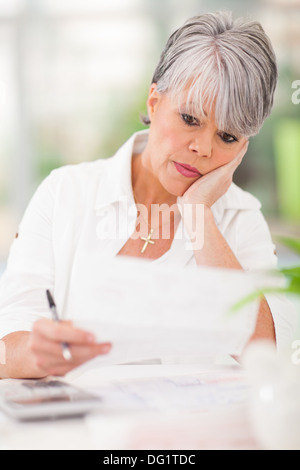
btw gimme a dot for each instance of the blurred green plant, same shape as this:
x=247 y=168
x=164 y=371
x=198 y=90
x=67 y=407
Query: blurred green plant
x=291 y=275
x=286 y=152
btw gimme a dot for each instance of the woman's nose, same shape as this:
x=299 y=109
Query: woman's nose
x=202 y=144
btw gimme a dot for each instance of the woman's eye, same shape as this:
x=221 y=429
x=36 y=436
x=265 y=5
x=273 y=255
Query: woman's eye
x=228 y=138
x=190 y=120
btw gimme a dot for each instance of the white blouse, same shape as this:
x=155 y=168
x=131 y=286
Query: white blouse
x=87 y=211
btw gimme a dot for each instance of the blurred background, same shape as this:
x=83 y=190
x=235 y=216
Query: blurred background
x=74 y=76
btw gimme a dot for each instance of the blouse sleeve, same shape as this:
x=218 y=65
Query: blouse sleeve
x=30 y=266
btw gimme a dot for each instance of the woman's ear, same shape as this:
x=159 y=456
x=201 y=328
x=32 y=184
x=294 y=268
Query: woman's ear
x=152 y=101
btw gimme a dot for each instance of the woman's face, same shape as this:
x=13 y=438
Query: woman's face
x=181 y=148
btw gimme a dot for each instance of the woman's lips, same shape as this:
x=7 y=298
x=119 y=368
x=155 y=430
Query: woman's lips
x=187 y=170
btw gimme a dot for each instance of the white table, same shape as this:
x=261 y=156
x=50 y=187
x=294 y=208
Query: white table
x=217 y=426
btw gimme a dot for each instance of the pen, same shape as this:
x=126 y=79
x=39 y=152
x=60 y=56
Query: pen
x=65 y=347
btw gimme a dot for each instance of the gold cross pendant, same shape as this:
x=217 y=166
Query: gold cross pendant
x=147 y=241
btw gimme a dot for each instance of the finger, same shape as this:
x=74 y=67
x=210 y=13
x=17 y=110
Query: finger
x=62 y=332
x=53 y=349
x=83 y=353
x=49 y=355
x=60 y=368
x=41 y=346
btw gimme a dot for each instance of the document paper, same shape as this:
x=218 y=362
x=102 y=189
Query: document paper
x=149 y=311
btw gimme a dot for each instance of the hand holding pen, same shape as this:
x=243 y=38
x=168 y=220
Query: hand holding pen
x=58 y=346
x=65 y=347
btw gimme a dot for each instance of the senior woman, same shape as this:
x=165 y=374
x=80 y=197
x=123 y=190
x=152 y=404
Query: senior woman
x=212 y=89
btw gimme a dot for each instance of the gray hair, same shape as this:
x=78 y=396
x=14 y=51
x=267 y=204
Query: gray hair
x=226 y=63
